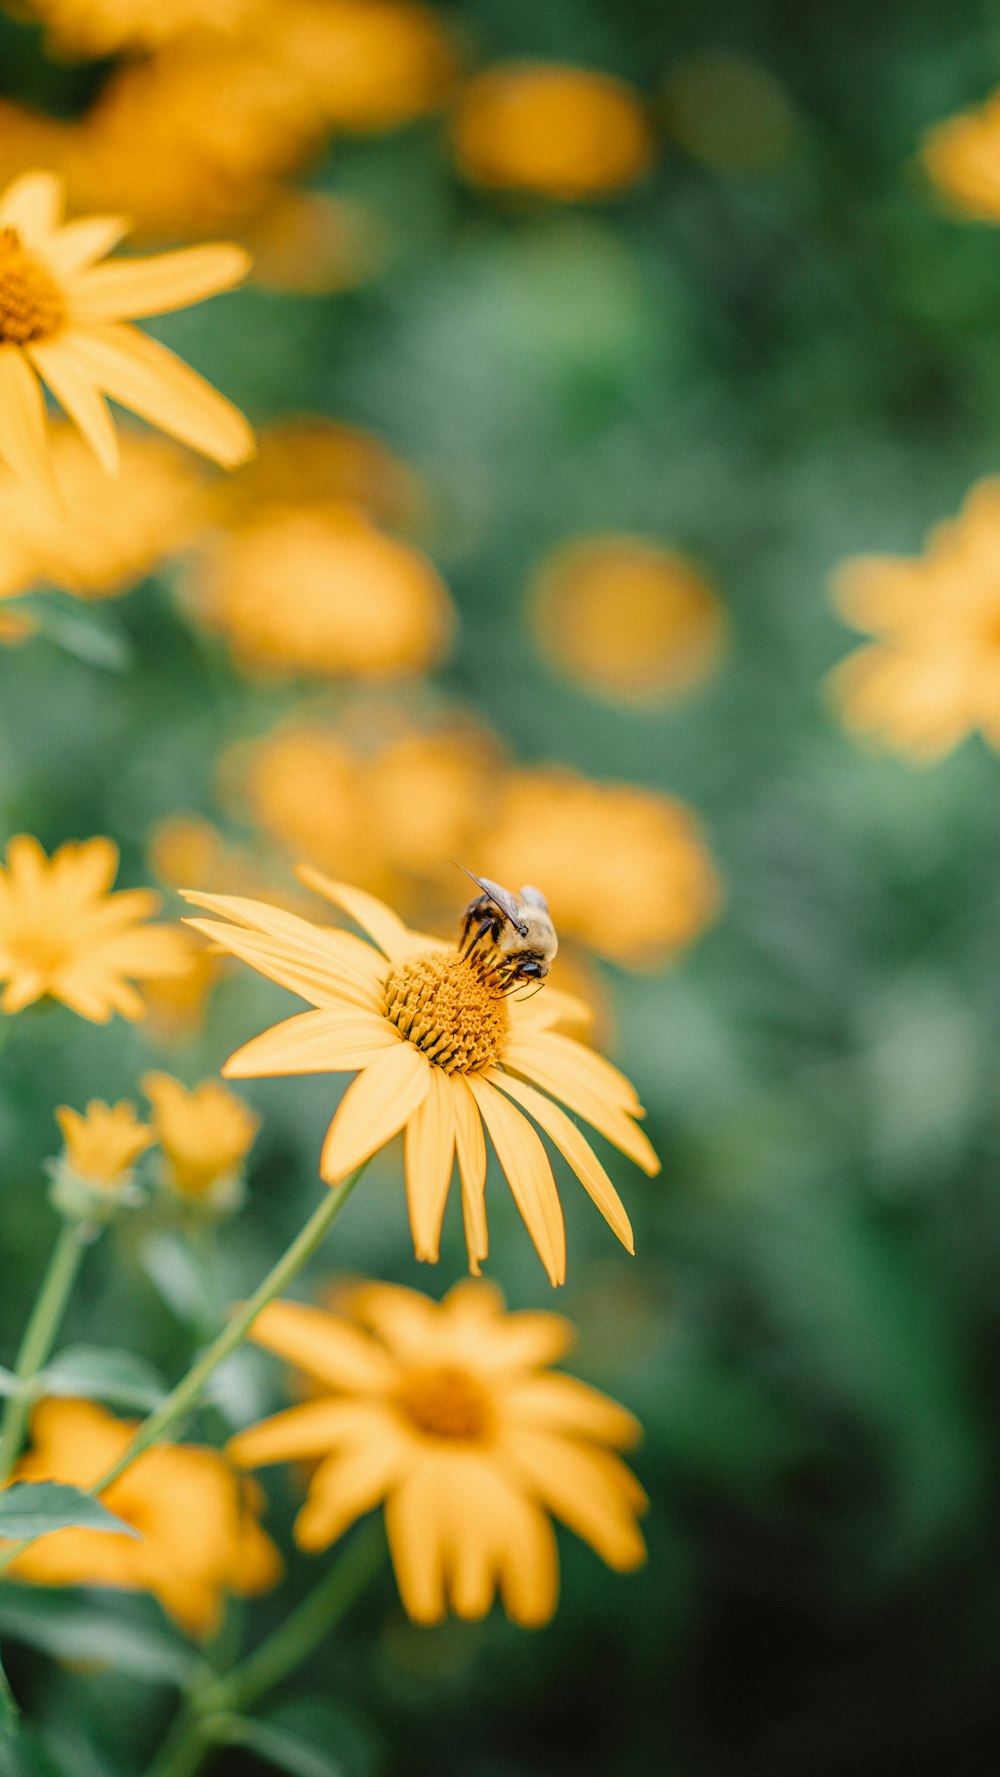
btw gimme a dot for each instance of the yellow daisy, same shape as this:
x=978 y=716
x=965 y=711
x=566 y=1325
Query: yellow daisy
x=106 y=27
x=64 y=322
x=447 y=1413
x=204 y=1136
x=441 y=1048
x=65 y=935
x=103 y=1146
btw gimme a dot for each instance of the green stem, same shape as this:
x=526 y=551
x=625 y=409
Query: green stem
x=184 y=1395
x=203 y=1723
x=40 y=1336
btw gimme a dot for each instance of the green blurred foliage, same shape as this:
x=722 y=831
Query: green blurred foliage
x=770 y=370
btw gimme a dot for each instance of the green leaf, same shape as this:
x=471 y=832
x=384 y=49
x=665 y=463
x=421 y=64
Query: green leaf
x=97 y=641
x=72 y=1627
x=288 y=1751
x=9 y=1383
x=32 y=1508
x=102 y=1374
x=10 y=1715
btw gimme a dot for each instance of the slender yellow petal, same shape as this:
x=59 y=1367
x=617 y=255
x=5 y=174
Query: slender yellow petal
x=344 y=1487
x=594 y=1073
x=374 y=1108
x=414 y=1525
x=529 y=1175
x=430 y=1154
x=32 y=205
x=313 y=1043
x=470 y=1146
x=406 y=1321
x=549 y=1070
x=562 y=1404
x=585 y=1487
x=77 y=394
x=320 y=976
x=574 y=1148
x=313 y=1428
x=161 y=388
x=529 y=1572
x=372 y=915
x=23 y=442
x=334 y=1352
x=77 y=244
x=127 y=288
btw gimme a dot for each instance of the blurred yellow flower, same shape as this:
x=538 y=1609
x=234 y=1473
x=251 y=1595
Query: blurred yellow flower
x=313 y=242
x=175 y=1006
x=962 y=156
x=185 y=848
x=63 y=320
x=370 y=64
x=932 y=675
x=199 y=1539
x=105 y=27
x=103 y=1146
x=64 y=934
x=316 y=462
x=626 y=870
x=625 y=618
x=551 y=129
x=324 y=594
x=448 y=1413
x=441 y=1047
x=97 y=543
x=204 y=1136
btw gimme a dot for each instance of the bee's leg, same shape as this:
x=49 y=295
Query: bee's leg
x=487 y=923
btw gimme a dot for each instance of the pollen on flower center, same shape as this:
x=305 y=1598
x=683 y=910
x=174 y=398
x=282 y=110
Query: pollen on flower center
x=31 y=303
x=452 y=1007
x=446 y=1403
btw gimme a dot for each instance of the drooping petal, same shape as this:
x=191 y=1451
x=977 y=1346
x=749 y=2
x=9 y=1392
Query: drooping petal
x=313 y=1043
x=24 y=444
x=375 y=1107
x=470 y=1146
x=318 y=974
x=430 y=1154
x=345 y=1486
x=127 y=288
x=548 y=1069
x=575 y=1148
x=77 y=394
x=563 y=1404
x=415 y=1528
x=590 y=1490
x=529 y=1175
x=594 y=1073
x=313 y=1428
x=144 y=376
x=372 y=915
x=529 y=1571
x=324 y=1346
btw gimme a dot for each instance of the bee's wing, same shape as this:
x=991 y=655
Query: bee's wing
x=502 y=897
x=534 y=897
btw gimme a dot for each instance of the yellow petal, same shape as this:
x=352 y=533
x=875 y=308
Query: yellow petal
x=529 y=1175
x=374 y=1108
x=430 y=1153
x=76 y=393
x=324 y=1346
x=563 y=1404
x=406 y=1321
x=529 y=1571
x=414 y=1525
x=372 y=915
x=500 y=1344
x=574 y=1148
x=32 y=205
x=470 y=1146
x=24 y=443
x=547 y=1068
x=77 y=244
x=590 y=1490
x=161 y=388
x=318 y=974
x=313 y=1428
x=345 y=1486
x=127 y=288
x=313 y=1043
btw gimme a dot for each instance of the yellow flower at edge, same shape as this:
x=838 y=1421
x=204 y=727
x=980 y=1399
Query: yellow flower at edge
x=204 y=1136
x=371 y=65
x=554 y=130
x=448 y=1413
x=103 y=1146
x=64 y=323
x=931 y=677
x=106 y=27
x=65 y=935
x=199 y=1536
x=962 y=156
x=441 y=1049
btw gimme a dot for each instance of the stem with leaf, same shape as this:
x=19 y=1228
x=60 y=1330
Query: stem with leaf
x=40 y=1335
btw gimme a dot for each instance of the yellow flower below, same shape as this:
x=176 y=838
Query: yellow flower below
x=103 y=1146
x=449 y=1415
x=204 y=1136
x=443 y=1051
x=64 y=935
x=962 y=156
x=553 y=130
x=199 y=1539
x=64 y=323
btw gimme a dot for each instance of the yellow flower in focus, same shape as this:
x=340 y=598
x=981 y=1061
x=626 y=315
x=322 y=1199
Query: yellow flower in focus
x=448 y=1413
x=441 y=1048
x=204 y=1136
x=106 y=27
x=932 y=675
x=370 y=64
x=962 y=156
x=63 y=322
x=103 y=1146
x=626 y=870
x=65 y=935
x=627 y=619
x=199 y=1534
x=98 y=542
x=554 y=130
x=324 y=594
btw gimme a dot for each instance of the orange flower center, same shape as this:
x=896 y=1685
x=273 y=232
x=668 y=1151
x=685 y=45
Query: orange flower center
x=31 y=302
x=452 y=1007
x=446 y=1403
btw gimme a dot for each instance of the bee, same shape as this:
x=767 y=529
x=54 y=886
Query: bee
x=518 y=926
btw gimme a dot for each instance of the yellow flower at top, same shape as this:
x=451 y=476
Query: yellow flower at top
x=627 y=619
x=553 y=130
x=449 y=1414
x=626 y=870
x=98 y=542
x=103 y=1146
x=199 y=1536
x=107 y=27
x=204 y=1136
x=962 y=156
x=370 y=64
x=442 y=1048
x=931 y=676
x=64 y=322
x=65 y=935
x=324 y=594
